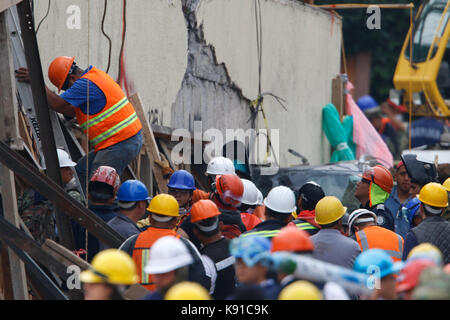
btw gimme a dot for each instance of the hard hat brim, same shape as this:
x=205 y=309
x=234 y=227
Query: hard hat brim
x=89 y=277
x=396 y=268
x=165 y=266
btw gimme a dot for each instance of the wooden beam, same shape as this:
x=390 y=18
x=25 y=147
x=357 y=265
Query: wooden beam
x=9 y=131
x=63 y=255
x=5 y=4
x=337 y=95
x=151 y=148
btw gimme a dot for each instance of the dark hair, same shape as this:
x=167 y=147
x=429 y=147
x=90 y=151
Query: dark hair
x=282 y=217
x=207 y=223
x=330 y=225
x=100 y=192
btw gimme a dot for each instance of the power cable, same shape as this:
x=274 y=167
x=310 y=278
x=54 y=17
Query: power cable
x=107 y=37
x=45 y=17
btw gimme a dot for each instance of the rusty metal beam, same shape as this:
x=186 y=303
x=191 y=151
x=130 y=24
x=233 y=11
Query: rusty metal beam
x=42 y=112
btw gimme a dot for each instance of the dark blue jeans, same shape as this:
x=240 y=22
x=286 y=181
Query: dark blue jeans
x=117 y=156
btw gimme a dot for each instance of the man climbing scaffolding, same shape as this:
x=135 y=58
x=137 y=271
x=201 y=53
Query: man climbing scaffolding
x=102 y=111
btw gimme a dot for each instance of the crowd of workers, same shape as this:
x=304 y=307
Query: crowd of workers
x=231 y=242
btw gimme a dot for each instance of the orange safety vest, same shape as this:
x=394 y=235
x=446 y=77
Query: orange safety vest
x=141 y=252
x=116 y=122
x=375 y=237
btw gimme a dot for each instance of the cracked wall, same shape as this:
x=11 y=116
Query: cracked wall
x=197 y=60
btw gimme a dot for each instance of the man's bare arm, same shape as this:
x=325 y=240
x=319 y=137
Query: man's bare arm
x=59 y=104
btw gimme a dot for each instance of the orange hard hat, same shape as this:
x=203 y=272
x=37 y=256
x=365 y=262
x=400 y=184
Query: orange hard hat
x=380 y=176
x=230 y=189
x=203 y=209
x=292 y=239
x=409 y=276
x=59 y=69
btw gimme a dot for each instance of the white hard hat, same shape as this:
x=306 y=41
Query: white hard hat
x=281 y=199
x=167 y=254
x=355 y=218
x=250 y=196
x=220 y=165
x=64 y=159
x=260 y=198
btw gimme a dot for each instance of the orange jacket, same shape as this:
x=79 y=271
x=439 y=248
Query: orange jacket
x=375 y=237
x=141 y=252
x=199 y=195
x=249 y=220
x=116 y=122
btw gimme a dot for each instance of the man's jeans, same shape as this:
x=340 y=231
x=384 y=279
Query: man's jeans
x=117 y=156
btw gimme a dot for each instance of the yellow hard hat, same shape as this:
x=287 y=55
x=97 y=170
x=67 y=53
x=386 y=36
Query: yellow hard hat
x=434 y=194
x=164 y=204
x=300 y=290
x=446 y=184
x=187 y=291
x=111 y=266
x=328 y=210
x=426 y=250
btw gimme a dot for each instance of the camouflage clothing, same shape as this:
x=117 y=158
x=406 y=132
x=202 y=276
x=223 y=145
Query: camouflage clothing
x=38 y=213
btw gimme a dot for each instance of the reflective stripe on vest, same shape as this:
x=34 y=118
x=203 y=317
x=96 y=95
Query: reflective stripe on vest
x=141 y=252
x=112 y=131
x=102 y=116
x=365 y=245
x=225 y=263
x=116 y=122
x=273 y=233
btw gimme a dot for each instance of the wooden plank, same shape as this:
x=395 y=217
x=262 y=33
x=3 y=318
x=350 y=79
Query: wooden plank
x=337 y=95
x=9 y=131
x=5 y=4
x=67 y=256
x=149 y=142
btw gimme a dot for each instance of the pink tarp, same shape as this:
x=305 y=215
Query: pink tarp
x=368 y=141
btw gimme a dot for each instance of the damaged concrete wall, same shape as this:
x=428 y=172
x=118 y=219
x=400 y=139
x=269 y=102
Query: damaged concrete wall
x=197 y=60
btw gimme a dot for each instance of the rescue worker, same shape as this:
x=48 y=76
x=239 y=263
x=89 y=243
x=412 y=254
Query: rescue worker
x=37 y=212
x=187 y=291
x=373 y=190
x=426 y=251
x=102 y=111
x=260 y=210
x=103 y=188
x=293 y=240
x=398 y=198
x=182 y=185
x=409 y=277
x=205 y=219
x=167 y=265
x=363 y=228
x=379 y=265
x=133 y=201
x=329 y=244
x=248 y=205
x=419 y=172
x=308 y=196
x=216 y=166
x=434 y=228
x=164 y=214
x=446 y=185
x=252 y=264
x=112 y=271
x=227 y=195
x=279 y=203
x=300 y=290
x=434 y=284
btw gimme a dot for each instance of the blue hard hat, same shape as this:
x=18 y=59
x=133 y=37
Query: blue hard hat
x=133 y=190
x=182 y=179
x=251 y=249
x=376 y=262
x=366 y=102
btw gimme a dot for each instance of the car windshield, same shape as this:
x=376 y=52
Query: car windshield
x=336 y=180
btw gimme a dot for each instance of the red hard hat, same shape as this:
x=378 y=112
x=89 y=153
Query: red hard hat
x=203 y=209
x=409 y=276
x=107 y=175
x=380 y=176
x=292 y=239
x=59 y=69
x=230 y=189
